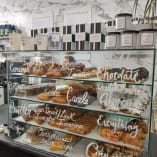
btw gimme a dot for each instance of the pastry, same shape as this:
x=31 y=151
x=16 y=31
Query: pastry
x=60 y=99
x=90 y=69
x=31 y=132
x=39 y=118
x=28 y=115
x=84 y=124
x=30 y=90
x=69 y=138
x=74 y=67
x=100 y=149
x=84 y=75
x=57 y=123
x=43 y=96
x=37 y=139
x=38 y=135
x=136 y=141
x=62 y=91
x=57 y=145
x=141 y=125
x=74 y=84
x=57 y=71
x=90 y=87
x=54 y=73
x=143 y=73
x=38 y=71
x=123 y=74
x=96 y=149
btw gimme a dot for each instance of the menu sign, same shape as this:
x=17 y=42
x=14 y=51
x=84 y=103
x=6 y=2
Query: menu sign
x=123 y=75
x=17 y=68
x=81 y=100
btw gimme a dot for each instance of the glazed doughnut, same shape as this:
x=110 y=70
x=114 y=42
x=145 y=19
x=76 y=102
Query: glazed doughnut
x=56 y=123
x=143 y=126
x=43 y=96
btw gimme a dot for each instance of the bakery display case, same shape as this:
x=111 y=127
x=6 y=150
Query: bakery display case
x=3 y=79
x=82 y=103
x=2 y=64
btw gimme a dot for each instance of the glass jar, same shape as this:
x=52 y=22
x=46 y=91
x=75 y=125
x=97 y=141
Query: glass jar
x=123 y=21
x=148 y=37
x=112 y=40
x=130 y=39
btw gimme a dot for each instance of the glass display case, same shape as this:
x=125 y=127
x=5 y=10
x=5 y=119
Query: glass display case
x=82 y=103
x=3 y=79
x=154 y=114
x=2 y=64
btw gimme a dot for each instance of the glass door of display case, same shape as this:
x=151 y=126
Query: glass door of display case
x=82 y=103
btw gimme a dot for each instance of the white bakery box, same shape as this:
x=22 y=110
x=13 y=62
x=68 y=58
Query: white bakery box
x=97 y=37
x=69 y=29
x=27 y=43
x=82 y=36
x=97 y=41
x=110 y=26
x=42 y=42
x=80 y=28
x=69 y=46
x=98 y=27
x=69 y=42
x=15 y=41
x=97 y=46
x=82 y=45
x=82 y=41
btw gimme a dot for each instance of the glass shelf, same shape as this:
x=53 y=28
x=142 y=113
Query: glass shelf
x=93 y=135
x=103 y=50
x=146 y=83
x=92 y=107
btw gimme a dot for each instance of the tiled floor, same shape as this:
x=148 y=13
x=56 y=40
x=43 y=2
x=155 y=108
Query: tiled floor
x=153 y=144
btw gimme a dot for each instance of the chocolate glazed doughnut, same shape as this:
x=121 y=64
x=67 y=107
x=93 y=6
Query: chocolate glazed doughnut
x=143 y=73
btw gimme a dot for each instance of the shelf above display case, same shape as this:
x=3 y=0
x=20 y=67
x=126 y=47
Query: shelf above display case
x=70 y=51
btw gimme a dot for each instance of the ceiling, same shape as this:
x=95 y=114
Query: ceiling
x=33 y=6
x=15 y=11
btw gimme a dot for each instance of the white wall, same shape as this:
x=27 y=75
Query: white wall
x=19 y=12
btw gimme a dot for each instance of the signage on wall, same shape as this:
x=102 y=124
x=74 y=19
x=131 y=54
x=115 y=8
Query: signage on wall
x=77 y=16
x=42 y=20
